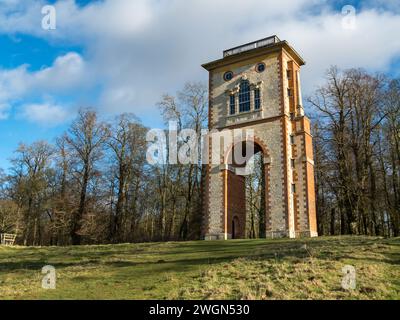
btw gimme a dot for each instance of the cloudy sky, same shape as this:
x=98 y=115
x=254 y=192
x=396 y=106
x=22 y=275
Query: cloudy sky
x=121 y=55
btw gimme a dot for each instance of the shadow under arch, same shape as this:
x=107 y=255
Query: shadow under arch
x=234 y=186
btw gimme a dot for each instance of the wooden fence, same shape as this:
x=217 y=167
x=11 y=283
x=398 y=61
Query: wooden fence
x=7 y=239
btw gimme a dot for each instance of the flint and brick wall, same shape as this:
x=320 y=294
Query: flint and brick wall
x=287 y=214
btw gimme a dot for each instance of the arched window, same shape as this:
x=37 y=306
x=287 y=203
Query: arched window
x=244 y=96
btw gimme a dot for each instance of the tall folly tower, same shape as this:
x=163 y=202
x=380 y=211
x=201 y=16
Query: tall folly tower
x=257 y=86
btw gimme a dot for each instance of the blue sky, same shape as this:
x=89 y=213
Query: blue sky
x=122 y=55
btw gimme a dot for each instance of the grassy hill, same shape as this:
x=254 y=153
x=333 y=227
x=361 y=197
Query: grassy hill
x=237 y=269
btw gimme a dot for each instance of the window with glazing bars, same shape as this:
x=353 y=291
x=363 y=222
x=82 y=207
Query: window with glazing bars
x=244 y=96
x=257 y=99
x=232 y=104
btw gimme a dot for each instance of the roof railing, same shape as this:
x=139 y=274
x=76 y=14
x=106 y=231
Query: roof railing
x=252 y=45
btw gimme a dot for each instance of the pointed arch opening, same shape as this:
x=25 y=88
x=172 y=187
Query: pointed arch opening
x=246 y=192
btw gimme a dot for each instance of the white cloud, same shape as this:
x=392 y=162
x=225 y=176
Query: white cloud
x=20 y=16
x=97 y=19
x=188 y=33
x=45 y=114
x=139 y=49
x=12 y=83
x=67 y=73
x=104 y=19
x=67 y=76
x=323 y=42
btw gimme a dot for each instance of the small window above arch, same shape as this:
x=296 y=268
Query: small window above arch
x=228 y=76
x=260 y=67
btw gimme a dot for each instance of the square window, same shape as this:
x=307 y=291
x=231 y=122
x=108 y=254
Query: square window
x=293 y=188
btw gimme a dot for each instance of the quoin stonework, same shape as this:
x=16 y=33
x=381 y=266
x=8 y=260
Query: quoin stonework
x=256 y=87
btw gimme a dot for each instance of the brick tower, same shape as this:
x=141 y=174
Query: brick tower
x=257 y=86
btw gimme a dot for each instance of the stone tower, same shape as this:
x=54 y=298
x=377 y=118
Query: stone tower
x=257 y=86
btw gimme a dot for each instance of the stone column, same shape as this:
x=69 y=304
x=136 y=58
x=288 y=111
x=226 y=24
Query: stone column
x=267 y=167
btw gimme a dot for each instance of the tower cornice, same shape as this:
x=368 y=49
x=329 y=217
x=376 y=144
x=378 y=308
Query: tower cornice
x=249 y=54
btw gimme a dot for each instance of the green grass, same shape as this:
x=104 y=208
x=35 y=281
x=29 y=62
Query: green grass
x=236 y=269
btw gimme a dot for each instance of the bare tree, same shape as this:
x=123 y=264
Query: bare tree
x=86 y=139
x=189 y=110
x=127 y=144
x=351 y=161
x=30 y=180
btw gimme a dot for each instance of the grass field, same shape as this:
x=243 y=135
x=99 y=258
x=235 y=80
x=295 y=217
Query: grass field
x=237 y=269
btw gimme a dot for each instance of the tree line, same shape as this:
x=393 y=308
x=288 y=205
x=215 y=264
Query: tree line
x=93 y=184
x=357 y=153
